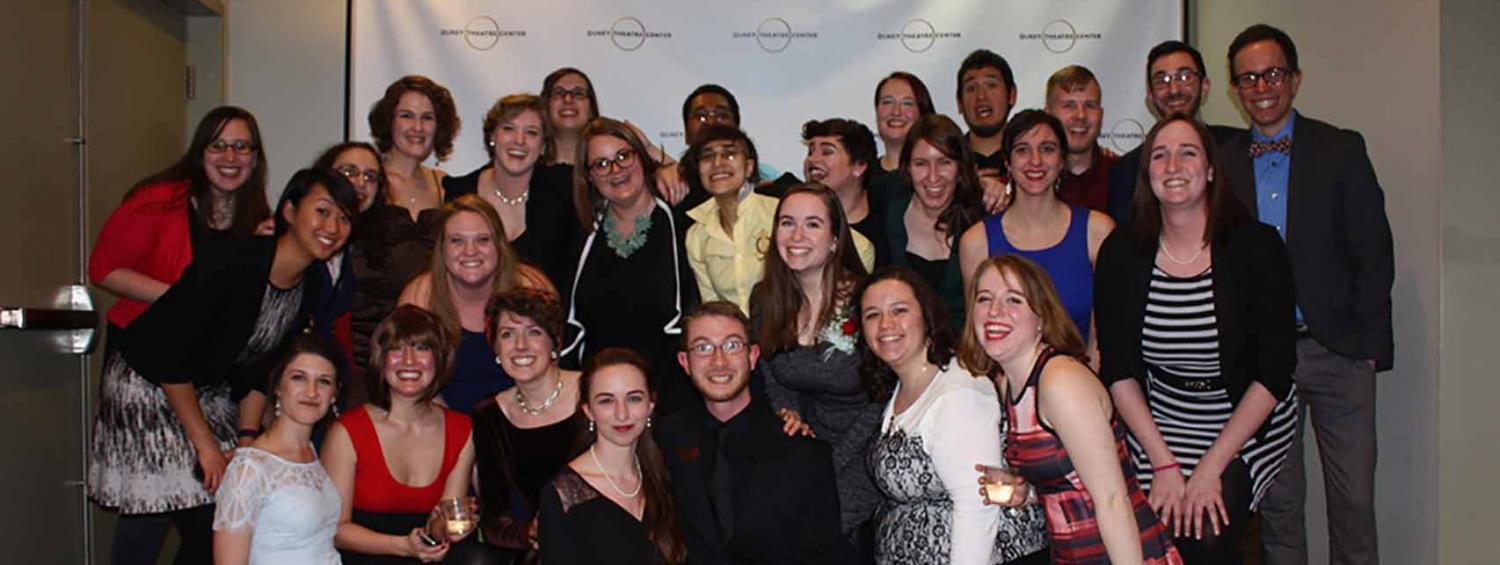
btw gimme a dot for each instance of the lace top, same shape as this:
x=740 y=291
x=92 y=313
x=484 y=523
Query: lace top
x=292 y=509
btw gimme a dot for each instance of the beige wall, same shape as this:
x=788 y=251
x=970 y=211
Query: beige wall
x=284 y=61
x=1471 y=272
x=1373 y=66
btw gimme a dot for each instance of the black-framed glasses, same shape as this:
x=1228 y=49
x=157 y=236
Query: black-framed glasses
x=239 y=146
x=719 y=116
x=1183 y=77
x=730 y=346
x=606 y=165
x=561 y=93
x=353 y=173
x=1273 y=77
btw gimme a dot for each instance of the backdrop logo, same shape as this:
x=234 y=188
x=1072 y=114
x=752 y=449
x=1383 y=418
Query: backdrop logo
x=628 y=34
x=1059 y=36
x=1125 y=134
x=481 y=33
x=918 y=35
x=775 y=34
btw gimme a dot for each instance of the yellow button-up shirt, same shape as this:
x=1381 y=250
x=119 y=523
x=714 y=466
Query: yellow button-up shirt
x=727 y=266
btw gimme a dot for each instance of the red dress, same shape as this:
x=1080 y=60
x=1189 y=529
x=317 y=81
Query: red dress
x=1036 y=453
x=375 y=490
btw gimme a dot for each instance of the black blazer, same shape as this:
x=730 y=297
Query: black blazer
x=197 y=329
x=786 y=508
x=1337 y=236
x=1126 y=174
x=1252 y=301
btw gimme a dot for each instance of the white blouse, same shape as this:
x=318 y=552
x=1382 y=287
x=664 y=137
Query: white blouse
x=292 y=509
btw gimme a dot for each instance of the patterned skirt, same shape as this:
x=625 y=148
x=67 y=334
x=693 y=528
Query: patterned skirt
x=140 y=460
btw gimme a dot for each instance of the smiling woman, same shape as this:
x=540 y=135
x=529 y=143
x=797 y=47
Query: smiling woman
x=168 y=411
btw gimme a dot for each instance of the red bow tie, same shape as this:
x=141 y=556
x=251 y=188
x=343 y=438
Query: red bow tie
x=1283 y=145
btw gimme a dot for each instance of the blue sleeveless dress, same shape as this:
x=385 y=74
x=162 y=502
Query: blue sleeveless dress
x=1067 y=263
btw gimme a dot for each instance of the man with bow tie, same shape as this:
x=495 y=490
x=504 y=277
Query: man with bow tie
x=1314 y=183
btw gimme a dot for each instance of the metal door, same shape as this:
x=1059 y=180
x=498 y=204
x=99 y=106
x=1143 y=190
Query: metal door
x=43 y=390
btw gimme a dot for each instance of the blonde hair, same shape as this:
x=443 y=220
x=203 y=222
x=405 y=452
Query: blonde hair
x=1058 y=329
x=440 y=302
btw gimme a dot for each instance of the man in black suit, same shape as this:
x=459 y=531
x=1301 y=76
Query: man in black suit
x=745 y=491
x=1176 y=84
x=1314 y=183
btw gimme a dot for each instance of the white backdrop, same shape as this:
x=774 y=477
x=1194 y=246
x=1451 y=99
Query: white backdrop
x=786 y=61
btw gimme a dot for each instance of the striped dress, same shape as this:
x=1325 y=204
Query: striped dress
x=1185 y=390
x=1038 y=455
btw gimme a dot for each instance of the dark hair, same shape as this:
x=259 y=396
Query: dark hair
x=1169 y=47
x=778 y=299
x=586 y=198
x=310 y=344
x=687 y=167
x=660 y=514
x=720 y=308
x=507 y=108
x=302 y=183
x=879 y=379
x=384 y=112
x=857 y=140
x=410 y=324
x=1261 y=32
x=918 y=91
x=249 y=199
x=1058 y=329
x=540 y=306
x=984 y=58
x=1224 y=209
x=1071 y=78
x=366 y=227
x=549 y=152
x=734 y=105
x=940 y=132
x=1023 y=122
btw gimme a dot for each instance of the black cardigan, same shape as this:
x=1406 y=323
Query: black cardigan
x=1252 y=300
x=197 y=329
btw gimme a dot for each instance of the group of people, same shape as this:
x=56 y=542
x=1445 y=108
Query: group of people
x=994 y=344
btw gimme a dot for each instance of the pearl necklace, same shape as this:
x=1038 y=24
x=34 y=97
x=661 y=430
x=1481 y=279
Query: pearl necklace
x=506 y=200
x=1168 y=253
x=521 y=400
x=632 y=494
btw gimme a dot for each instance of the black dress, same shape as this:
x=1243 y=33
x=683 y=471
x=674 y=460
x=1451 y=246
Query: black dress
x=513 y=464
x=636 y=302
x=552 y=235
x=392 y=249
x=578 y=524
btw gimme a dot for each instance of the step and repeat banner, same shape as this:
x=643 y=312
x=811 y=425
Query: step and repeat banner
x=786 y=61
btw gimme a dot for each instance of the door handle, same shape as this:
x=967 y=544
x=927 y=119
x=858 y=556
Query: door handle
x=70 y=323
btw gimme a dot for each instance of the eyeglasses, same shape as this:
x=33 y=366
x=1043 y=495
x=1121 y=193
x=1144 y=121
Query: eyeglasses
x=1183 y=77
x=561 y=93
x=731 y=154
x=1273 y=76
x=353 y=173
x=715 y=116
x=605 y=165
x=241 y=147
x=730 y=346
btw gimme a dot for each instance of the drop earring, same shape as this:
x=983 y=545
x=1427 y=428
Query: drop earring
x=648 y=421
x=497 y=359
x=552 y=354
x=278 y=407
x=591 y=426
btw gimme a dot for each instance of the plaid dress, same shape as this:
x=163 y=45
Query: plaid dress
x=1036 y=453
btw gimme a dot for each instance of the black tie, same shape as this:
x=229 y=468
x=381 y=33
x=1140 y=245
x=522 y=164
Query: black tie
x=719 y=486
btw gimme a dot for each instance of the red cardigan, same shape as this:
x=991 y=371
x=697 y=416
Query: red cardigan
x=148 y=233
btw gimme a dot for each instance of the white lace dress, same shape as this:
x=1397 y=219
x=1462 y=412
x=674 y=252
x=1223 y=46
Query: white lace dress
x=292 y=509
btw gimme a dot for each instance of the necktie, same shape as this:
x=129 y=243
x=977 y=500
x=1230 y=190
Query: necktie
x=1282 y=145
x=719 y=486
